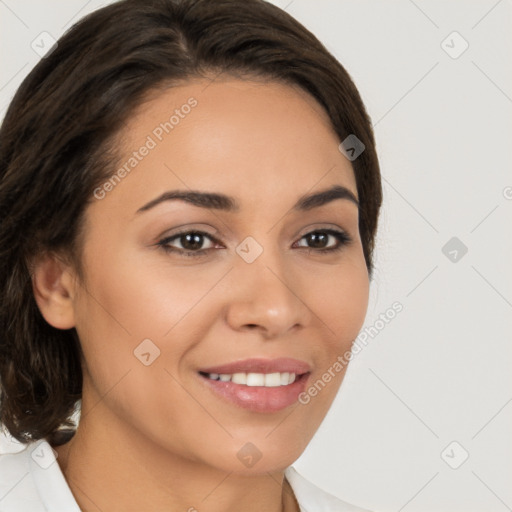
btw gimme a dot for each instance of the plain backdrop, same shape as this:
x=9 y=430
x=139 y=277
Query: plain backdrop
x=424 y=416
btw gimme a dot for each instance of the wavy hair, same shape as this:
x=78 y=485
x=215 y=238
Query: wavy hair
x=55 y=150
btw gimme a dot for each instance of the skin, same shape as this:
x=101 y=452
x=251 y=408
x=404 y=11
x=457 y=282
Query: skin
x=155 y=433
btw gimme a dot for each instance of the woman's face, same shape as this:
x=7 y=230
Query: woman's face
x=159 y=313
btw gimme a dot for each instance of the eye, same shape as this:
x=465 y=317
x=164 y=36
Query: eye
x=190 y=243
x=319 y=240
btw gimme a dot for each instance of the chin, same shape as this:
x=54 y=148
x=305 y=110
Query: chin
x=258 y=455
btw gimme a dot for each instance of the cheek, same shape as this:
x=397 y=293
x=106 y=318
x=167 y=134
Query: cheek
x=340 y=300
x=128 y=300
x=138 y=299
x=348 y=302
x=341 y=305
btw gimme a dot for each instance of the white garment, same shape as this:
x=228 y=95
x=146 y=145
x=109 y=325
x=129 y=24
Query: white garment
x=31 y=481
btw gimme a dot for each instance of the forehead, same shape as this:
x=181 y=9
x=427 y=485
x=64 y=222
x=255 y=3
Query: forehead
x=260 y=141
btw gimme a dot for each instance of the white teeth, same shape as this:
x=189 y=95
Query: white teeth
x=239 y=378
x=269 y=380
x=272 y=380
x=255 y=379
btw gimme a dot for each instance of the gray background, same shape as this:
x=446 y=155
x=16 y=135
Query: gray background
x=437 y=373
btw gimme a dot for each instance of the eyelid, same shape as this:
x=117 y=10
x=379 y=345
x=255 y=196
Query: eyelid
x=325 y=226
x=176 y=235
x=190 y=228
x=343 y=239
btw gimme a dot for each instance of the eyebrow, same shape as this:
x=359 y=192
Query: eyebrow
x=226 y=203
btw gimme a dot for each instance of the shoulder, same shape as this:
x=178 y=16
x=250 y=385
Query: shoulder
x=31 y=480
x=17 y=488
x=310 y=497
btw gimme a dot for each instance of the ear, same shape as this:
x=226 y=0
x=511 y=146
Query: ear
x=53 y=284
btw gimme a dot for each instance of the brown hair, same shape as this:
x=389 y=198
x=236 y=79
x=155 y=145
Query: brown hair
x=54 y=151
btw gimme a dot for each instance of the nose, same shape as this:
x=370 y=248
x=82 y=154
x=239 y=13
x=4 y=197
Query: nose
x=267 y=297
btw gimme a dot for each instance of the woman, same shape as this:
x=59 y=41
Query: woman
x=189 y=196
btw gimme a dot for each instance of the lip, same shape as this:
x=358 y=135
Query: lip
x=259 y=399
x=261 y=365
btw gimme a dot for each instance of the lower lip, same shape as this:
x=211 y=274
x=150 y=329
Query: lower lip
x=259 y=398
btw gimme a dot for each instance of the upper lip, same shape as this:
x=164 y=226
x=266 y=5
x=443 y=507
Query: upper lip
x=261 y=365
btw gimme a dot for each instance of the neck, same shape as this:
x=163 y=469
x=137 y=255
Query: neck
x=111 y=467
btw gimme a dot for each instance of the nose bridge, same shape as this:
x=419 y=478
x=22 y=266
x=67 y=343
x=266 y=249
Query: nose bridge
x=264 y=262
x=265 y=292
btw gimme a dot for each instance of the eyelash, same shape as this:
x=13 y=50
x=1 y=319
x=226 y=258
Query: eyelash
x=342 y=237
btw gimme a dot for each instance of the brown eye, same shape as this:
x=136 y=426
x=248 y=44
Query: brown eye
x=319 y=240
x=189 y=243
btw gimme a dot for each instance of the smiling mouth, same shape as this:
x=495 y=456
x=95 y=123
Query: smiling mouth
x=256 y=392
x=268 y=380
x=258 y=384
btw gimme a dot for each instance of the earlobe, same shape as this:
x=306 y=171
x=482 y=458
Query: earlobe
x=53 y=287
